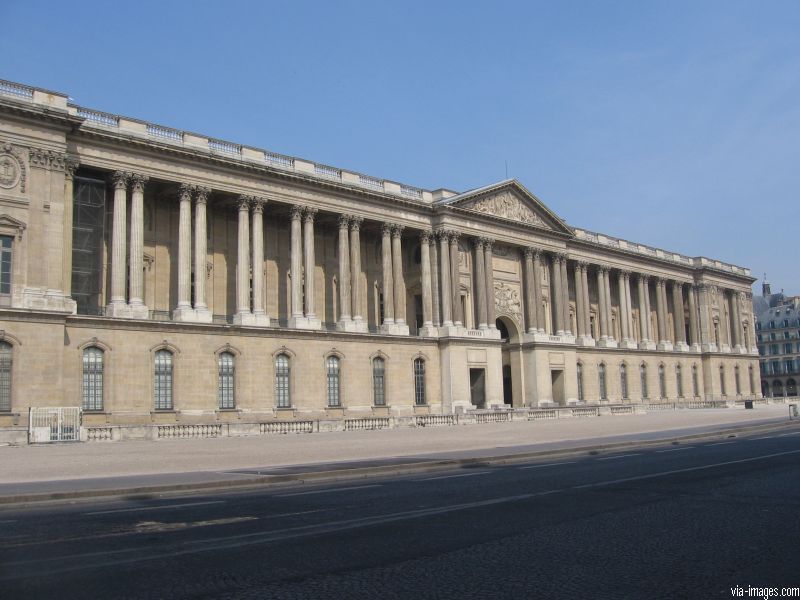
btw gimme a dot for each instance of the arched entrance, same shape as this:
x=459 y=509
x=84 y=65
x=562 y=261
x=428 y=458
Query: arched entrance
x=765 y=389
x=791 y=388
x=777 y=389
x=511 y=364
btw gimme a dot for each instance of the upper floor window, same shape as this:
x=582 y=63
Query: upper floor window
x=379 y=381
x=283 y=397
x=163 y=380
x=93 y=378
x=6 y=250
x=419 y=382
x=5 y=376
x=333 y=381
x=226 y=379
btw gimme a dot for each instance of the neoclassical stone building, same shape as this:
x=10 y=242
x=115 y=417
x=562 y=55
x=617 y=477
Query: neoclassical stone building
x=152 y=275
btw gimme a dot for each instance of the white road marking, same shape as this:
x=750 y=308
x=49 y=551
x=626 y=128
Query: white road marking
x=454 y=476
x=8 y=521
x=675 y=449
x=343 y=489
x=619 y=456
x=766 y=437
x=785 y=434
x=555 y=464
x=143 y=508
x=721 y=443
x=116 y=557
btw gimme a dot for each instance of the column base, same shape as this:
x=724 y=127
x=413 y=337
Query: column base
x=607 y=343
x=739 y=350
x=647 y=345
x=681 y=347
x=694 y=348
x=428 y=331
x=122 y=310
x=708 y=348
x=248 y=319
x=351 y=326
x=724 y=348
x=629 y=344
x=585 y=340
x=139 y=311
x=664 y=345
x=394 y=329
x=305 y=323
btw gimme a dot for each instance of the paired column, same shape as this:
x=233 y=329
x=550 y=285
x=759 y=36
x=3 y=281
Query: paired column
x=624 y=322
x=580 y=303
x=434 y=269
x=344 y=272
x=557 y=295
x=184 y=310
x=425 y=275
x=601 y=302
x=629 y=309
x=310 y=261
x=488 y=266
x=455 y=289
x=388 y=288
x=530 y=283
x=678 y=315
x=303 y=262
x=296 y=262
x=355 y=273
x=707 y=341
x=136 y=262
x=610 y=339
x=257 y=263
x=480 y=284
x=693 y=331
x=201 y=252
x=537 y=290
x=397 y=276
x=737 y=321
x=118 y=243
x=567 y=324
x=242 y=264
x=587 y=317
x=661 y=315
x=185 y=249
x=444 y=271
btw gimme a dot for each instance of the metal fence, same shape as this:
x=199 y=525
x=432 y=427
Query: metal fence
x=54 y=424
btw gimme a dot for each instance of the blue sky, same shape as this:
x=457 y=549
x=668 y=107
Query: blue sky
x=675 y=124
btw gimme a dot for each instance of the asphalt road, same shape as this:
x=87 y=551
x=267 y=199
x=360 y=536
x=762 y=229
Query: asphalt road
x=677 y=521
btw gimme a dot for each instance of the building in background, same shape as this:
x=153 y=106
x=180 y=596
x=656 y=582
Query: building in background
x=157 y=277
x=778 y=337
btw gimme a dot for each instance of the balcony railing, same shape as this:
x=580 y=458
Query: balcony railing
x=165 y=132
x=412 y=192
x=226 y=147
x=15 y=89
x=96 y=116
x=329 y=172
x=279 y=160
x=371 y=182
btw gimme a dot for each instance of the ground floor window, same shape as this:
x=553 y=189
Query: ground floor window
x=419 y=382
x=226 y=380
x=5 y=376
x=93 y=378
x=333 y=381
x=601 y=379
x=163 y=380
x=379 y=381
x=282 y=396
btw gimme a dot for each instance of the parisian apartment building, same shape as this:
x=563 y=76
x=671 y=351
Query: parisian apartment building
x=778 y=339
x=155 y=276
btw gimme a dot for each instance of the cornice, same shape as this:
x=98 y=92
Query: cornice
x=38 y=113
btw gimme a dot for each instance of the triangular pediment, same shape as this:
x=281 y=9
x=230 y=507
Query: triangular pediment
x=509 y=200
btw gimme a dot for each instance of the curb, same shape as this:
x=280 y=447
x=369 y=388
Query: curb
x=376 y=471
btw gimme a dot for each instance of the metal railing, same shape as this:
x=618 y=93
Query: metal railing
x=279 y=160
x=54 y=424
x=165 y=132
x=10 y=88
x=223 y=146
x=97 y=116
x=329 y=172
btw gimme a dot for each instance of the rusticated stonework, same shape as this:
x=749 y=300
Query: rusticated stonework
x=507 y=206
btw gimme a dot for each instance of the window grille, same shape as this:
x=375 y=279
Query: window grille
x=580 y=382
x=662 y=382
x=93 y=378
x=6 y=250
x=5 y=376
x=282 y=395
x=419 y=382
x=333 y=381
x=695 y=382
x=722 y=381
x=163 y=380
x=643 y=377
x=601 y=377
x=379 y=381
x=623 y=381
x=679 y=380
x=737 y=381
x=227 y=372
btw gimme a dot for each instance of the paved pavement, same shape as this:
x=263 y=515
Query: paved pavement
x=64 y=470
x=688 y=520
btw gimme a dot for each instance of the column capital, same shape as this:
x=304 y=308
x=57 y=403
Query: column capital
x=425 y=236
x=624 y=273
x=201 y=194
x=582 y=264
x=244 y=202
x=355 y=223
x=185 y=191
x=454 y=236
x=386 y=228
x=344 y=221
x=70 y=166
x=528 y=252
x=477 y=243
x=296 y=212
x=397 y=230
x=119 y=179
x=309 y=213
x=257 y=205
x=644 y=278
x=487 y=242
x=138 y=181
x=603 y=269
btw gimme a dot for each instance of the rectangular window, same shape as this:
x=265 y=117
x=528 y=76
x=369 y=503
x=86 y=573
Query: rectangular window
x=88 y=230
x=378 y=382
x=333 y=382
x=419 y=382
x=163 y=380
x=6 y=246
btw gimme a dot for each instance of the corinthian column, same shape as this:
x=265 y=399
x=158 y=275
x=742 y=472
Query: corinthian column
x=694 y=336
x=644 y=314
x=434 y=268
x=344 y=272
x=296 y=263
x=737 y=322
x=69 y=192
x=480 y=284
x=200 y=254
x=661 y=315
x=587 y=309
x=310 y=263
x=259 y=315
x=136 y=274
x=537 y=290
x=118 y=304
x=623 y=309
x=678 y=320
x=556 y=295
x=455 y=290
x=355 y=273
x=444 y=271
x=388 y=288
x=425 y=275
x=530 y=303
x=489 y=268
x=397 y=276
x=565 y=295
x=243 y=262
x=183 y=309
x=601 y=301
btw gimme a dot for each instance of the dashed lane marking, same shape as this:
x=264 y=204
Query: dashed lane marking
x=160 y=507
x=454 y=476
x=620 y=456
x=675 y=449
x=721 y=443
x=330 y=491
x=555 y=464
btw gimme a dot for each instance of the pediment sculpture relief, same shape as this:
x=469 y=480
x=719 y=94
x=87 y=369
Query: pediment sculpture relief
x=507 y=300
x=507 y=206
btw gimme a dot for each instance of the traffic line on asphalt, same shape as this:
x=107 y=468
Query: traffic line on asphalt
x=766 y=437
x=453 y=476
x=8 y=521
x=555 y=464
x=93 y=560
x=721 y=443
x=160 y=507
x=620 y=456
x=675 y=449
x=785 y=434
x=330 y=491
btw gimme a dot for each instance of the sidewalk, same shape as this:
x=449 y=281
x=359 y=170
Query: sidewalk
x=63 y=470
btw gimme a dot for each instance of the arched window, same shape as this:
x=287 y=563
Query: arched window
x=679 y=380
x=623 y=381
x=419 y=382
x=643 y=382
x=379 y=381
x=752 y=381
x=695 y=382
x=580 y=382
x=92 y=378
x=283 y=398
x=601 y=379
x=333 y=381
x=5 y=376
x=737 y=381
x=227 y=371
x=722 y=380
x=162 y=391
x=662 y=382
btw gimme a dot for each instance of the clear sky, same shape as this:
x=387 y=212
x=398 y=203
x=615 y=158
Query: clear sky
x=675 y=124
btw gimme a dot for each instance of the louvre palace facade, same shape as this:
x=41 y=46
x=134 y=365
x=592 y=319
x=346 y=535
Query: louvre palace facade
x=151 y=276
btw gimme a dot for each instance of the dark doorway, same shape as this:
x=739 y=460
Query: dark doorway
x=477 y=387
x=557 y=377
x=508 y=397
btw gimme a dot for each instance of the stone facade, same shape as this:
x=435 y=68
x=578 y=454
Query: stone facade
x=141 y=259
